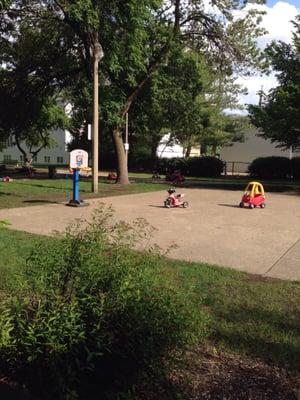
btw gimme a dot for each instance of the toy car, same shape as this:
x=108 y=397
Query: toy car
x=175 y=200
x=254 y=196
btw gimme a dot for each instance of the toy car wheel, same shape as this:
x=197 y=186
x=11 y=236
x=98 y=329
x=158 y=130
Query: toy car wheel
x=168 y=204
x=251 y=206
x=185 y=204
x=263 y=205
x=241 y=204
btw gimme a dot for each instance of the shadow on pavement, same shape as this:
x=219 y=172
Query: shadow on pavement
x=229 y=205
x=37 y=201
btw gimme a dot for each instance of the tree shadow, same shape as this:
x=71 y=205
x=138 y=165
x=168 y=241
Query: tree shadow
x=10 y=393
x=260 y=332
x=5 y=194
x=37 y=201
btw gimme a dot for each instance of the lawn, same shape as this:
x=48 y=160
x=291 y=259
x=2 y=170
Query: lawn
x=26 y=192
x=250 y=315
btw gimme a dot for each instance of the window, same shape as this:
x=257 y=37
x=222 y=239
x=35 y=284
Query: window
x=47 y=159
x=60 y=160
x=7 y=157
x=21 y=158
x=34 y=159
x=10 y=142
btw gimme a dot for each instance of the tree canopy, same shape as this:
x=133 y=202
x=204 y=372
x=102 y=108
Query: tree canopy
x=137 y=37
x=278 y=116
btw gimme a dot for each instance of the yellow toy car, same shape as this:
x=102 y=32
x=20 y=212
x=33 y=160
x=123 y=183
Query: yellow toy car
x=254 y=195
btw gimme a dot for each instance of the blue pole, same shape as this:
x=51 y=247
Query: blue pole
x=76 y=185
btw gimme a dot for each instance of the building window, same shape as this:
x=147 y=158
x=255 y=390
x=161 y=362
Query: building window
x=47 y=159
x=34 y=159
x=10 y=142
x=7 y=157
x=60 y=160
x=21 y=158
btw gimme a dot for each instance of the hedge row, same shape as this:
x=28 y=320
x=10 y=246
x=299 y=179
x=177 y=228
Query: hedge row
x=275 y=168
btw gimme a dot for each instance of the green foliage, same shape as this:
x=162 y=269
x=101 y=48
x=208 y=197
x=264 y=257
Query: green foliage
x=279 y=114
x=270 y=167
x=295 y=167
x=92 y=312
x=204 y=166
x=192 y=166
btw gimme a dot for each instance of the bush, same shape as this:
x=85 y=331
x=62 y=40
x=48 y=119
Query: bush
x=270 y=168
x=93 y=312
x=204 y=166
x=295 y=167
x=193 y=166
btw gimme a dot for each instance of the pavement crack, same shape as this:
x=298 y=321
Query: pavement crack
x=281 y=257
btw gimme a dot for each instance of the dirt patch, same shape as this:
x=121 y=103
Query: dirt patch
x=213 y=375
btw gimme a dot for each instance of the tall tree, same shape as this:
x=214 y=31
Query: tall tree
x=137 y=36
x=278 y=116
x=36 y=62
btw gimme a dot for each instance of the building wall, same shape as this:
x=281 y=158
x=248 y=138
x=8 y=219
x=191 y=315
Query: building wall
x=173 y=150
x=242 y=154
x=57 y=154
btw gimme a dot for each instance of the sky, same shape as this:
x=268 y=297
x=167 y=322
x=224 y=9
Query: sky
x=277 y=21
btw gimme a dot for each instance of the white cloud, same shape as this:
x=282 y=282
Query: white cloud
x=277 y=21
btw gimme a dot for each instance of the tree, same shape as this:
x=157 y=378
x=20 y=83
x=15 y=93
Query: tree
x=186 y=100
x=30 y=80
x=278 y=117
x=137 y=37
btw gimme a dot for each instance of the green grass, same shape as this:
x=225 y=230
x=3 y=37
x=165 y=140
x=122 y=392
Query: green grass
x=249 y=314
x=26 y=192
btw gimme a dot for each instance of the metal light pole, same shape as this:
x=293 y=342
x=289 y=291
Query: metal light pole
x=126 y=140
x=98 y=54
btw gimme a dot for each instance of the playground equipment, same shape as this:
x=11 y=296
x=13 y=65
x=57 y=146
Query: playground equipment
x=254 y=196
x=78 y=161
x=175 y=200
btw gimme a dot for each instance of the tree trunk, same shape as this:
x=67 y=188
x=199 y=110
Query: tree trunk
x=122 y=170
x=188 y=151
x=214 y=150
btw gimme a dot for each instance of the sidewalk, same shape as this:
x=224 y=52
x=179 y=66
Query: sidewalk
x=213 y=230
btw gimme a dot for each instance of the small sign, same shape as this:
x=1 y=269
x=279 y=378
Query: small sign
x=126 y=146
x=78 y=159
x=89 y=132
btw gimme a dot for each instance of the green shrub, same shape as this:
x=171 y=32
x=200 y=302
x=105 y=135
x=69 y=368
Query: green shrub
x=204 y=166
x=193 y=166
x=295 y=167
x=93 y=312
x=270 y=168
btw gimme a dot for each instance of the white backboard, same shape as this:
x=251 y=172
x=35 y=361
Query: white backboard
x=78 y=159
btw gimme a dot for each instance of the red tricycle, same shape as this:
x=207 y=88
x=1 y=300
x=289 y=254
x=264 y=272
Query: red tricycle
x=175 y=200
x=254 y=195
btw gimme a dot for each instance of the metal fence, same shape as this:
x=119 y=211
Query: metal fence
x=236 y=168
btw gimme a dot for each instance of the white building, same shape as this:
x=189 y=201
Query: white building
x=57 y=154
x=169 y=149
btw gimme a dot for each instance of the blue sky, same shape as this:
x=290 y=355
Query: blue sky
x=296 y=3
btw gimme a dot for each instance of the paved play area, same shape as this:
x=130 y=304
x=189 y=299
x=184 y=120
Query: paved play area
x=213 y=230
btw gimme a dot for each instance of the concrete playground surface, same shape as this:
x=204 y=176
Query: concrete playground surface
x=212 y=230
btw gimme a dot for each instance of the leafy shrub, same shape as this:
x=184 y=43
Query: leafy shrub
x=93 y=312
x=193 y=166
x=270 y=168
x=204 y=166
x=295 y=167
